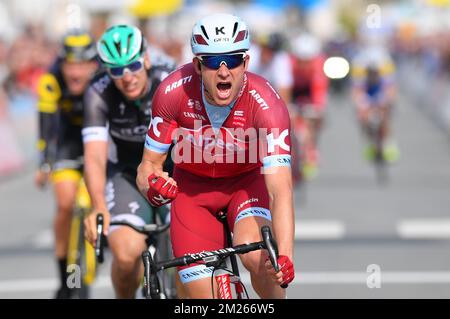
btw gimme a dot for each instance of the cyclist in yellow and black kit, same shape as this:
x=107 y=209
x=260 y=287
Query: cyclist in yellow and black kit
x=60 y=105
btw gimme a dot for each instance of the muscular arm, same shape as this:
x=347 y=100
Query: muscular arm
x=95 y=140
x=47 y=136
x=49 y=94
x=279 y=185
x=152 y=162
x=95 y=158
x=277 y=171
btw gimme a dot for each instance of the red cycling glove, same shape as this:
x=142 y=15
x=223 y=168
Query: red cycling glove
x=287 y=268
x=160 y=191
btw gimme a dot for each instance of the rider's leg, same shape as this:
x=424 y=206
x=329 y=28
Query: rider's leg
x=126 y=204
x=248 y=211
x=191 y=236
x=127 y=268
x=65 y=192
x=195 y=228
x=363 y=118
x=385 y=127
x=248 y=230
x=201 y=289
x=65 y=189
x=296 y=152
x=390 y=149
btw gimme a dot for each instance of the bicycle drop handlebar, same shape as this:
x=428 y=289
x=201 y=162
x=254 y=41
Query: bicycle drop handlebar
x=149 y=229
x=272 y=249
x=209 y=258
x=151 y=268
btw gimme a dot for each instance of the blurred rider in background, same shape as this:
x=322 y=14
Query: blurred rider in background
x=271 y=61
x=374 y=88
x=60 y=104
x=309 y=96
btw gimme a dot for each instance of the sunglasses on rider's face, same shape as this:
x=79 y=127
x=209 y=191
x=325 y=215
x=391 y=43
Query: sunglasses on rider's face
x=134 y=67
x=214 y=62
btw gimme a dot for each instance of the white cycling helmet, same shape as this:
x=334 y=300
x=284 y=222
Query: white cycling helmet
x=220 y=33
x=306 y=47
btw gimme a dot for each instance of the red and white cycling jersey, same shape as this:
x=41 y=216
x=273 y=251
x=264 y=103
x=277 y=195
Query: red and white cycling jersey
x=255 y=133
x=310 y=82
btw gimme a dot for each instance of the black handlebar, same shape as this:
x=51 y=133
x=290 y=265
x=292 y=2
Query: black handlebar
x=151 y=286
x=148 y=230
x=151 y=267
x=271 y=246
x=272 y=249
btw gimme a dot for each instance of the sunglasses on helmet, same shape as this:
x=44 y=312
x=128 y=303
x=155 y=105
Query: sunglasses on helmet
x=134 y=67
x=214 y=62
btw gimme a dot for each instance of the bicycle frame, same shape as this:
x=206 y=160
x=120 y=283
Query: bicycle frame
x=80 y=251
x=224 y=280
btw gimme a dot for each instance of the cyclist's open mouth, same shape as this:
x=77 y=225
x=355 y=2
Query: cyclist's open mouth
x=224 y=89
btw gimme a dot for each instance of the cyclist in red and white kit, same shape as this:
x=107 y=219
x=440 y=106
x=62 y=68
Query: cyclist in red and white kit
x=309 y=99
x=232 y=155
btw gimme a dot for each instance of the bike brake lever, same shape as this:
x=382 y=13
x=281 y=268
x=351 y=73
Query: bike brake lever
x=99 y=241
x=272 y=249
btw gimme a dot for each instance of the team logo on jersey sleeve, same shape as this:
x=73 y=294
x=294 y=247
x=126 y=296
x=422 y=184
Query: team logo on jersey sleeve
x=273 y=141
x=154 y=125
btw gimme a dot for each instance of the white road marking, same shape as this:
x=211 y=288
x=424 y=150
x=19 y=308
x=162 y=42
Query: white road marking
x=43 y=240
x=323 y=230
x=349 y=277
x=319 y=229
x=424 y=229
x=301 y=278
x=43 y=284
x=304 y=229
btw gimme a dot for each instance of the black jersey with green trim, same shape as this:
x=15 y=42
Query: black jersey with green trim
x=109 y=114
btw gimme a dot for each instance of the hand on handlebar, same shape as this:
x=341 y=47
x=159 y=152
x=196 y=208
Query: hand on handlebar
x=286 y=273
x=90 y=225
x=162 y=190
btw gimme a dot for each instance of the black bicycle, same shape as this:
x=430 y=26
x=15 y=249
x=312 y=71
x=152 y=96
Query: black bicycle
x=158 y=246
x=216 y=259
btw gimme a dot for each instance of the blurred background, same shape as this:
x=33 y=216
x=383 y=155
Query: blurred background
x=355 y=237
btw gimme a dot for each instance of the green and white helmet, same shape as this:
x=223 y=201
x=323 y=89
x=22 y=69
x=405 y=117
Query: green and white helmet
x=120 y=45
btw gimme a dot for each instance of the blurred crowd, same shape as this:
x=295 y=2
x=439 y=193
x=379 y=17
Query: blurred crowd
x=423 y=63
x=26 y=57
x=421 y=51
x=29 y=55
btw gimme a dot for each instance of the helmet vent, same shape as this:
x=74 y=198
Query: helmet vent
x=105 y=45
x=235 y=28
x=129 y=41
x=241 y=36
x=117 y=45
x=204 y=32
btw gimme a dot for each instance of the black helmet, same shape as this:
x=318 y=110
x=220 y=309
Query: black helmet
x=78 y=45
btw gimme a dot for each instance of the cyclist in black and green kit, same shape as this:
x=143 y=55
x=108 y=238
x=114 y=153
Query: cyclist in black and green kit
x=119 y=111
